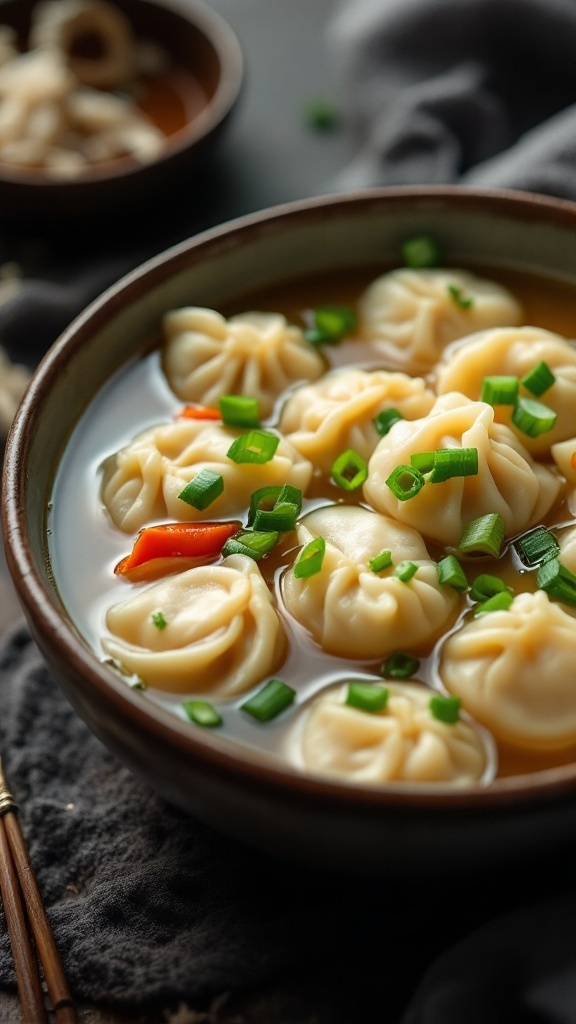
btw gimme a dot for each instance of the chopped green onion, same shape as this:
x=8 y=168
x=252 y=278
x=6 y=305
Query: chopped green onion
x=330 y=324
x=421 y=251
x=484 y=535
x=497 y=603
x=499 y=390
x=451 y=573
x=405 y=570
x=381 y=561
x=349 y=470
x=458 y=298
x=486 y=586
x=367 y=696
x=203 y=489
x=239 y=411
x=254 y=543
x=557 y=581
x=310 y=559
x=450 y=462
x=263 y=499
x=159 y=620
x=423 y=461
x=281 y=518
x=270 y=701
x=275 y=508
x=537 y=546
x=405 y=482
x=399 y=666
x=202 y=713
x=532 y=418
x=445 y=709
x=385 y=420
x=257 y=446
x=322 y=115
x=539 y=379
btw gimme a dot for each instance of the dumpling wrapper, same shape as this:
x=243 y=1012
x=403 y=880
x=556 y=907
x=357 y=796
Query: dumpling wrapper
x=254 y=354
x=222 y=633
x=325 y=419
x=354 y=612
x=411 y=315
x=401 y=743
x=515 y=672
x=508 y=481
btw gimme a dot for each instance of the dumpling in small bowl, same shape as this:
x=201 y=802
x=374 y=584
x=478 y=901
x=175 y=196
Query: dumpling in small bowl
x=403 y=742
x=515 y=672
x=515 y=351
x=143 y=481
x=508 y=481
x=323 y=420
x=212 y=629
x=411 y=315
x=254 y=354
x=354 y=612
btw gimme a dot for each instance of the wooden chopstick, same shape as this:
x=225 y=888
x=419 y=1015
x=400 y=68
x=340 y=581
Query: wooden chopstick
x=25 y=914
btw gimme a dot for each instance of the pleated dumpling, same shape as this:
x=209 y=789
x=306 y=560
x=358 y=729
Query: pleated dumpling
x=403 y=742
x=254 y=354
x=212 y=629
x=564 y=455
x=515 y=351
x=142 y=482
x=324 y=419
x=508 y=481
x=567 y=554
x=354 y=612
x=411 y=315
x=515 y=672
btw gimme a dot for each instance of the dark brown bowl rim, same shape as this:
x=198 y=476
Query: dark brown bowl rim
x=250 y=768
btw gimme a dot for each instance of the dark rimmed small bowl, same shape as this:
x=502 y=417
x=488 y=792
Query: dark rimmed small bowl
x=248 y=794
x=199 y=40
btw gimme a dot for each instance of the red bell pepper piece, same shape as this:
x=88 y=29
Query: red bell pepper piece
x=157 y=545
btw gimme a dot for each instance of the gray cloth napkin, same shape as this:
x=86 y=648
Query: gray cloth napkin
x=471 y=92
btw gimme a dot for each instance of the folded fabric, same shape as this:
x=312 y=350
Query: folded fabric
x=473 y=92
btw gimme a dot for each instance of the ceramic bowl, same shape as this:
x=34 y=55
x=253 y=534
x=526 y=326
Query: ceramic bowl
x=248 y=794
x=191 y=104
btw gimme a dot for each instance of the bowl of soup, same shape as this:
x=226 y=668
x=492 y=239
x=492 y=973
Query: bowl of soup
x=107 y=103
x=291 y=514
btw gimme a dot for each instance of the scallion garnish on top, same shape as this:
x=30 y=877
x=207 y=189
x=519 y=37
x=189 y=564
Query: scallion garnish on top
x=499 y=390
x=381 y=561
x=399 y=665
x=369 y=697
x=557 y=581
x=310 y=559
x=539 y=379
x=451 y=573
x=458 y=297
x=270 y=701
x=405 y=570
x=486 y=586
x=533 y=418
x=445 y=709
x=202 y=713
x=257 y=446
x=349 y=470
x=499 y=602
x=451 y=462
x=405 y=482
x=330 y=324
x=203 y=489
x=484 y=535
x=385 y=420
x=421 y=251
x=253 y=543
x=537 y=546
x=159 y=620
x=239 y=411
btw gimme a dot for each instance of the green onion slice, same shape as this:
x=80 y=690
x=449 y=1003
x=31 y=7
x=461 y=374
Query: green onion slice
x=405 y=570
x=458 y=297
x=484 y=535
x=423 y=461
x=159 y=620
x=281 y=518
x=381 y=561
x=258 y=446
x=539 y=379
x=349 y=470
x=532 y=418
x=445 y=709
x=399 y=666
x=310 y=559
x=385 y=420
x=203 y=489
x=330 y=324
x=202 y=713
x=499 y=390
x=499 y=602
x=451 y=573
x=557 y=581
x=239 y=411
x=450 y=462
x=485 y=586
x=405 y=482
x=369 y=697
x=537 y=546
x=322 y=115
x=421 y=251
x=254 y=543
x=270 y=701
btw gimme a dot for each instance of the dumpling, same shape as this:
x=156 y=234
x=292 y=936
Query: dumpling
x=515 y=672
x=219 y=632
x=142 y=481
x=564 y=455
x=354 y=612
x=402 y=743
x=567 y=554
x=413 y=314
x=254 y=354
x=508 y=481
x=514 y=351
x=323 y=420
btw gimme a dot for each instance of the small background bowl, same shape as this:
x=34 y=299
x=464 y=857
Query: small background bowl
x=249 y=794
x=199 y=40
